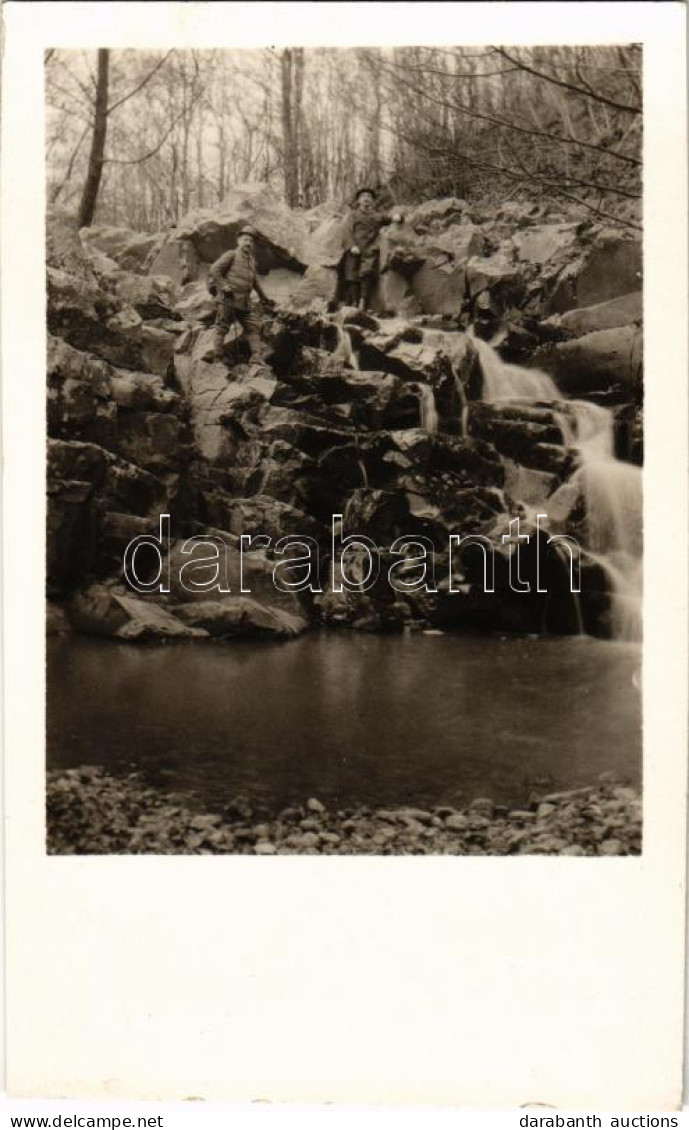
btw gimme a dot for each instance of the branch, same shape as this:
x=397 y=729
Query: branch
x=152 y=152
x=88 y=95
x=458 y=106
x=70 y=166
x=142 y=84
x=568 y=85
x=509 y=173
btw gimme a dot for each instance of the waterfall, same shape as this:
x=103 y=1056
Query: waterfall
x=511 y=382
x=462 y=397
x=613 y=500
x=611 y=489
x=427 y=408
x=344 y=349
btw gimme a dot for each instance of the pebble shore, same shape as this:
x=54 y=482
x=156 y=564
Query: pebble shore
x=90 y=812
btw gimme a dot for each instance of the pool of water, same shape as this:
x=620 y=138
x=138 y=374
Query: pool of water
x=350 y=718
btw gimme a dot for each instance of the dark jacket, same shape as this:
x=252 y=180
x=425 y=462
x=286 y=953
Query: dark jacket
x=363 y=228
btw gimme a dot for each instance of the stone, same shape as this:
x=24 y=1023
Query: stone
x=195 y=303
x=609 y=361
x=129 y=249
x=611 y=847
x=283 y=235
x=264 y=847
x=623 y=311
x=439 y=286
x=317 y=288
x=56 y=620
x=437 y=214
x=625 y=793
x=523 y=816
x=158 y=350
x=237 y=616
x=545 y=810
x=315 y=805
x=456 y=822
x=308 y=840
x=105 y=612
x=212 y=398
x=482 y=806
x=63 y=247
x=485 y=272
x=309 y=824
x=609 y=268
x=540 y=244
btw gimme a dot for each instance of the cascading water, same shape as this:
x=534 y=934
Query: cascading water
x=462 y=397
x=344 y=349
x=427 y=409
x=611 y=489
x=613 y=502
x=502 y=381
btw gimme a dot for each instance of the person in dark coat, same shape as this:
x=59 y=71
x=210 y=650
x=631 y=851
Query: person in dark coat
x=361 y=260
x=231 y=279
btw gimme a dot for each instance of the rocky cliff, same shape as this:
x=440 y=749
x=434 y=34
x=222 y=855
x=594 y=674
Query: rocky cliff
x=388 y=418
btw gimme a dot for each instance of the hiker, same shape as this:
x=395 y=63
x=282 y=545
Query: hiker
x=361 y=261
x=231 y=279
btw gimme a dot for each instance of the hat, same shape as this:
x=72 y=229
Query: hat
x=247 y=230
x=360 y=192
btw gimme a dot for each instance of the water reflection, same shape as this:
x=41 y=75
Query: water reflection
x=353 y=719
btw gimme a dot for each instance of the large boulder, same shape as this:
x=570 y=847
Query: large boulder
x=94 y=321
x=63 y=248
x=610 y=267
x=214 y=399
x=80 y=405
x=623 y=311
x=282 y=234
x=317 y=288
x=104 y=611
x=239 y=617
x=240 y=573
x=129 y=249
x=532 y=437
x=434 y=215
x=542 y=244
x=605 y=361
x=152 y=296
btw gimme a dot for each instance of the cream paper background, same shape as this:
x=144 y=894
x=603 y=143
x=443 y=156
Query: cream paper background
x=484 y=982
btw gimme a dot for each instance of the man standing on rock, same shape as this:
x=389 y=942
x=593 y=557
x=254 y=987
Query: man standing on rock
x=361 y=263
x=231 y=279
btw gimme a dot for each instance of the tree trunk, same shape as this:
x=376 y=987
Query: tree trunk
x=289 y=152
x=297 y=130
x=87 y=206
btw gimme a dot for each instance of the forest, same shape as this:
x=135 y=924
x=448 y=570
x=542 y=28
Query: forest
x=138 y=138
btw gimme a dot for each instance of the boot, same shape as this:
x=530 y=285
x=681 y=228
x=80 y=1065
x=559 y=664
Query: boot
x=219 y=343
x=368 y=287
x=352 y=294
x=257 y=349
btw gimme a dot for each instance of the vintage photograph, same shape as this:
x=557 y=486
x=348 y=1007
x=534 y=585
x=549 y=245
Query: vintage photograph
x=344 y=451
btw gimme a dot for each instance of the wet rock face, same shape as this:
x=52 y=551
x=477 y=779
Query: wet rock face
x=378 y=418
x=530 y=436
x=608 y=361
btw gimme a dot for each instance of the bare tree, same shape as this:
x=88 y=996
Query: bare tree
x=87 y=205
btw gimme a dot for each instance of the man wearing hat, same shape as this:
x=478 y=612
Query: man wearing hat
x=361 y=262
x=231 y=279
